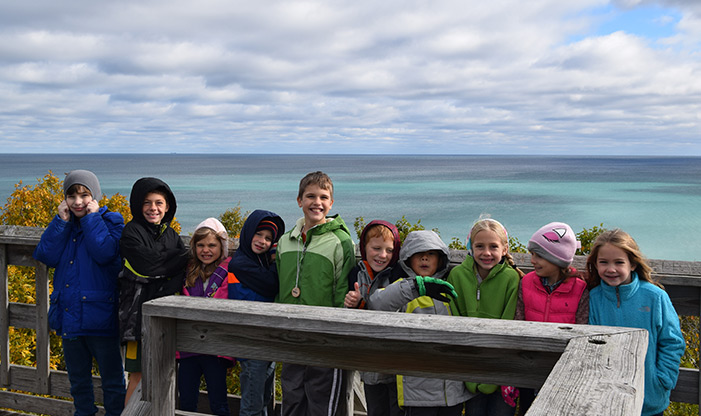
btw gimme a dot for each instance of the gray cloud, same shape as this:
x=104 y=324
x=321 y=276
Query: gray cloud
x=357 y=77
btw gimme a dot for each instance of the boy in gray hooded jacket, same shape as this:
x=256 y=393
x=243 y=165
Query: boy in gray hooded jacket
x=423 y=261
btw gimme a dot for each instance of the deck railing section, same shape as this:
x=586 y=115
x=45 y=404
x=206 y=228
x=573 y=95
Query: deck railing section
x=514 y=353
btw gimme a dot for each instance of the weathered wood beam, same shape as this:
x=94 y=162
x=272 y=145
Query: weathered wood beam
x=481 y=350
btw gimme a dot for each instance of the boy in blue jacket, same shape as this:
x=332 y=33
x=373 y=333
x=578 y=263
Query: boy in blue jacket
x=82 y=244
x=253 y=276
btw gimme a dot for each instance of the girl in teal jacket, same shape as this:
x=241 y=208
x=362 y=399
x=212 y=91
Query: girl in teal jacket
x=626 y=295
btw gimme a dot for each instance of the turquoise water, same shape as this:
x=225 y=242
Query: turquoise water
x=654 y=199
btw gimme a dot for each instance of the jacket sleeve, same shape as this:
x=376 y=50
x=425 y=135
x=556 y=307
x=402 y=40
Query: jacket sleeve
x=53 y=241
x=582 y=314
x=520 y=308
x=670 y=343
x=102 y=233
x=393 y=297
x=153 y=261
x=345 y=261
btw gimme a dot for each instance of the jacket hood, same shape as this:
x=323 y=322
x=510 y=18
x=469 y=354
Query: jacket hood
x=218 y=228
x=420 y=241
x=252 y=270
x=250 y=226
x=139 y=191
x=395 y=233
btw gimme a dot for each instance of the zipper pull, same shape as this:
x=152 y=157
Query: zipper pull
x=478 y=294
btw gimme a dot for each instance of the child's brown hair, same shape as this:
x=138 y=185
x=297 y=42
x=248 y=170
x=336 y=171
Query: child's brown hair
x=195 y=269
x=78 y=189
x=623 y=240
x=317 y=178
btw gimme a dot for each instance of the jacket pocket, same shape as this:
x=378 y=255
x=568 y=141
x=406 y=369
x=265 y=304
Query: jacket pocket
x=99 y=308
x=55 y=312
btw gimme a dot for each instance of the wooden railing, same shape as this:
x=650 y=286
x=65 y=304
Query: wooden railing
x=517 y=353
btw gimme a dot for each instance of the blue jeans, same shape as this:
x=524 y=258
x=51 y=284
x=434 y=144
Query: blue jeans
x=78 y=353
x=257 y=382
x=190 y=370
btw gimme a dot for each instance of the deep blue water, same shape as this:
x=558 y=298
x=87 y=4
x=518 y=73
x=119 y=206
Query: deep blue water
x=655 y=199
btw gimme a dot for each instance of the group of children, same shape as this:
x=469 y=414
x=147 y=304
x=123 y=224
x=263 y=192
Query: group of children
x=105 y=271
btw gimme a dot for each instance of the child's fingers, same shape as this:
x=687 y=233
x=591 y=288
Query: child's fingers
x=357 y=287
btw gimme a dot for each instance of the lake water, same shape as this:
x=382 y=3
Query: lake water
x=655 y=199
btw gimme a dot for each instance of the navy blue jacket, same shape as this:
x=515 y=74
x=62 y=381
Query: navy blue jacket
x=254 y=276
x=85 y=254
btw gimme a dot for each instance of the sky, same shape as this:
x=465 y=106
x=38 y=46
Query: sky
x=580 y=77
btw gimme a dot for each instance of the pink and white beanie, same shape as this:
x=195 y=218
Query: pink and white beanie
x=556 y=243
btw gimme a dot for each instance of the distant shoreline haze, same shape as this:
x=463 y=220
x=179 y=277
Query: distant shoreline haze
x=655 y=199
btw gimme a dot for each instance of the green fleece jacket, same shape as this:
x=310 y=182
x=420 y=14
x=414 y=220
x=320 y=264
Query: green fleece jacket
x=498 y=294
x=318 y=266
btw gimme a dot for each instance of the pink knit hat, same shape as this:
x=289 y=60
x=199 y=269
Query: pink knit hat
x=556 y=243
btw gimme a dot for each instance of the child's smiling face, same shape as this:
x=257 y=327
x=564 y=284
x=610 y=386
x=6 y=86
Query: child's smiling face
x=261 y=242
x=487 y=250
x=614 y=266
x=155 y=207
x=544 y=268
x=316 y=204
x=425 y=263
x=378 y=252
x=78 y=202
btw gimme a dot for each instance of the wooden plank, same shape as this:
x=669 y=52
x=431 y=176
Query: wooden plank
x=158 y=360
x=137 y=406
x=498 y=351
x=687 y=387
x=21 y=255
x=4 y=320
x=20 y=235
x=23 y=315
x=43 y=353
x=36 y=404
x=24 y=378
x=599 y=375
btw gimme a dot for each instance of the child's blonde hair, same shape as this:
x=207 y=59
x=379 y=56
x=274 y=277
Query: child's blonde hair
x=195 y=269
x=486 y=223
x=622 y=240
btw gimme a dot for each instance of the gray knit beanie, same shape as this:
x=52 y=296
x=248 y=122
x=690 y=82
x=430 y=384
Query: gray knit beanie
x=85 y=178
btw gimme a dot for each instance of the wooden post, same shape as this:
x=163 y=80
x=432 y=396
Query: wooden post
x=4 y=320
x=596 y=367
x=43 y=346
x=158 y=364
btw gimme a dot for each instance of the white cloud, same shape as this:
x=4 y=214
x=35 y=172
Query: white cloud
x=315 y=76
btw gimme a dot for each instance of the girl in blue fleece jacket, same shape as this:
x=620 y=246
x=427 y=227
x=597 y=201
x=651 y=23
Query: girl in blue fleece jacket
x=625 y=295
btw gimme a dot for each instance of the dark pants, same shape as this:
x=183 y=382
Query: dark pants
x=78 y=353
x=311 y=391
x=488 y=405
x=189 y=372
x=381 y=399
x=525 y=399
x=434 y=411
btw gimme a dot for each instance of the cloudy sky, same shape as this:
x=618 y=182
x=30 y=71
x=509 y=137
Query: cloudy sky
x=322 y=76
